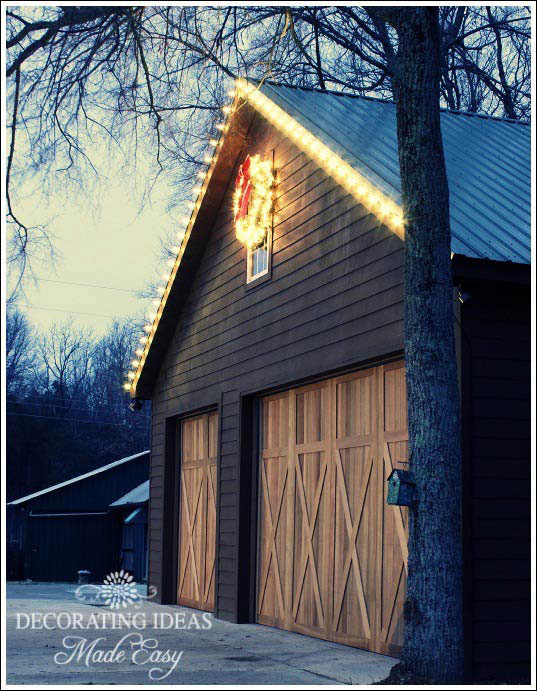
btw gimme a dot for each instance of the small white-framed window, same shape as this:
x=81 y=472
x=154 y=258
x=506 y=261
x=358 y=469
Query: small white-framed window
x=257 y=260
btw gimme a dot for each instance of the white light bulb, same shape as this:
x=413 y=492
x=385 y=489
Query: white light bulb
x=130 y=375
x=374 y=200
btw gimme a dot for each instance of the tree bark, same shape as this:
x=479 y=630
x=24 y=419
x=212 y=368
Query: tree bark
x=433 y=607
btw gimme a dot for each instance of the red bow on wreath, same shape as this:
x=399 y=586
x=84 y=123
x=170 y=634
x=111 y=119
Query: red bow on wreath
x=243 y=181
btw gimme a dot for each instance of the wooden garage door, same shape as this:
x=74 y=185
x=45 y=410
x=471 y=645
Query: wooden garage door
x=197 y=522
x=332 y=554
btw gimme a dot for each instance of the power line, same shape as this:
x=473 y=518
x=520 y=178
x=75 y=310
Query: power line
x=94 y=406
x=87 y=314
x=68 y=419
x=65 y=399
x=88 y=285
x=38 y=397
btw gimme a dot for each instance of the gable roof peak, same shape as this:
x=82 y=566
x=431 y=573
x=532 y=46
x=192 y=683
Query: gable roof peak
x=354 y=139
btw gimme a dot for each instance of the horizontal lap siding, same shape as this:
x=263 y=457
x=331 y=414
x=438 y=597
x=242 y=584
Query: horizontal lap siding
x=497 y=333
x=334 y=299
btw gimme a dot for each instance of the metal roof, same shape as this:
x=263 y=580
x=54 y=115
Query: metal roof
x=102 y=469
x=138 y=495
x=487 y=161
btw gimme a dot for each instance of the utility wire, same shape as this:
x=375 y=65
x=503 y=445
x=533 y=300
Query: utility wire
x=109 y=407
x=68 y=419
x=87 y=314
x=88 y=285
x=67 y=399
x=79 y=403
x=39 y=397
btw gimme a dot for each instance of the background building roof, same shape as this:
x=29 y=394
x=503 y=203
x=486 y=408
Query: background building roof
x=78 y=478
x=138 y=495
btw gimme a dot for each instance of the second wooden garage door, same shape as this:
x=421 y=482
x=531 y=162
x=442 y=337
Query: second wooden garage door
x=197 y=520
x=332 y=554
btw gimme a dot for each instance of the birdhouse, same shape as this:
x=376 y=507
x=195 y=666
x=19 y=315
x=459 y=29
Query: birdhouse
x=401 y=486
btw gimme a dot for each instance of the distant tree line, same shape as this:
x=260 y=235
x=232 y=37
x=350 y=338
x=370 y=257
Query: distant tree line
x=66 y=410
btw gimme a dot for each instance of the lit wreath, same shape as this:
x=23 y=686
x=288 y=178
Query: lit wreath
x=252 y=201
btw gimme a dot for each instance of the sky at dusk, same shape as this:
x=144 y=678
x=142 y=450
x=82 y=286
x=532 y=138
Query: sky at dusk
x=104 y=240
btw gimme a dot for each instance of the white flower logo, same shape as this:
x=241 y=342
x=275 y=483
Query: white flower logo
x=119 y=590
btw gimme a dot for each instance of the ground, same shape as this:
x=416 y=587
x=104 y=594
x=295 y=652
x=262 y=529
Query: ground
x=224 y=654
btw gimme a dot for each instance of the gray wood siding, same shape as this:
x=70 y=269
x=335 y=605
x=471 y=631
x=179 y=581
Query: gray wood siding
x=334 y=300
x=496 y=329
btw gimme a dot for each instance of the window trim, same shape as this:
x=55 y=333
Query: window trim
x=266 y=275
x=249 y=261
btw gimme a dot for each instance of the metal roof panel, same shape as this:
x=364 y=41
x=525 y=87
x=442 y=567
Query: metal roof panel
x=487 y=162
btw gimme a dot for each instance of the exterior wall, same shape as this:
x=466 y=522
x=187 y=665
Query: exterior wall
x=496 y=400
x=59 y=546
x=334 y=301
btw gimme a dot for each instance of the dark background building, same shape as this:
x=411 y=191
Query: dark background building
x=60 y=530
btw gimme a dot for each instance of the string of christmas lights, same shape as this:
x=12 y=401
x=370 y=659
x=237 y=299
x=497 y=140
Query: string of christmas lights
x=378 y=203
x=356 y=184
x=163 y=290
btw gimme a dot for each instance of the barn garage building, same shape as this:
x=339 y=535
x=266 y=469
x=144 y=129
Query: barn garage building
x=275 y=370
x=71 y=526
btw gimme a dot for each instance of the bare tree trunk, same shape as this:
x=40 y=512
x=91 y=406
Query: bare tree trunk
x=433 y=608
